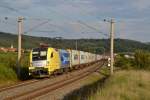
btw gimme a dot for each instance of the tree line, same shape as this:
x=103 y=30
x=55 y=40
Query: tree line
x=89 y=45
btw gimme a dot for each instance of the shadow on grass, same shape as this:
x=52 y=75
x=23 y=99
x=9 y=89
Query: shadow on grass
x=84 y=92
x=102 y=73
x=22 y=73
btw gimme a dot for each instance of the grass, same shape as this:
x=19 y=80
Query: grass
x=7 y=75
x=123 y=85
x=8 y=68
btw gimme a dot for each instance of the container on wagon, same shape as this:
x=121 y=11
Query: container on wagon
x=64 y=58
x=75 y=57
x=82 y=57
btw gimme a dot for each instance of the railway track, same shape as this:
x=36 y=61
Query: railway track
x=18 y=85
x=54 y=86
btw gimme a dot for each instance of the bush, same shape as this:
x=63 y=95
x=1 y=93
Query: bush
x=142 y=59
x=122 y=62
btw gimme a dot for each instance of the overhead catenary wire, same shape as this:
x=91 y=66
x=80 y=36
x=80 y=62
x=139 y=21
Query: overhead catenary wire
x=43 y=31
x=18 y=11
x=33 y=28
x=83 y=23
x=37 y=19
x=36 y=26
x=46 y=31
x=10 y=8
x=93 y=28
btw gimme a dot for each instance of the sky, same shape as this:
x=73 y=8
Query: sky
x=74 y=18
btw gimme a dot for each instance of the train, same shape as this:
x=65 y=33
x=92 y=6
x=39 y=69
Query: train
x=45 y=61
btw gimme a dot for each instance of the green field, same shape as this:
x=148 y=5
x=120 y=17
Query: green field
x=8 y=68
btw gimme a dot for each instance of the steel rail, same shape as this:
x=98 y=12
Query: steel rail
x=18 y=85
x=56 y=85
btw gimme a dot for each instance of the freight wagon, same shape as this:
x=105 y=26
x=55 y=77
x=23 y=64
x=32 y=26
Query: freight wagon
x=46 y=61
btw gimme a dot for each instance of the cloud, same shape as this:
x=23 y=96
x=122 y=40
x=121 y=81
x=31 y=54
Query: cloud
x=132 y=16
x=141 y=4
x=18 y=3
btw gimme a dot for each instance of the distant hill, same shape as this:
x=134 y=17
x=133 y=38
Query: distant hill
x=92 y=45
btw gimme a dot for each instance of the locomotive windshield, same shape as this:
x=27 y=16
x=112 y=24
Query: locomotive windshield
x=39 y=54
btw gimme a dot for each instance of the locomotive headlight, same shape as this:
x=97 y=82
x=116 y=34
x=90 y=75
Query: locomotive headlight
x=47 y=63
x=31 y=64
x=31 y=68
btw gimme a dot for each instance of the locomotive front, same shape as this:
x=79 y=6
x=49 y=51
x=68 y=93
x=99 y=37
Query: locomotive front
x=38 y=62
